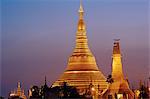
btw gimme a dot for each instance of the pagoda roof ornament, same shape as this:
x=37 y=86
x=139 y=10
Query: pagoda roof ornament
x=81 y=7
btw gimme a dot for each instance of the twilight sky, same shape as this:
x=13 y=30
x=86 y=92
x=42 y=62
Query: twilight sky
x=38 y=36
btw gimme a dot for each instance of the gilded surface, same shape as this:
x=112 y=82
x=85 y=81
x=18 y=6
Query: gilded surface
x=119 y=87
x=82 y=69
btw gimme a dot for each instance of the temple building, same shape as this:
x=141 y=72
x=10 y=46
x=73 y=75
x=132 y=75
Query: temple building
x=118 y=87
x=17 y=94
x=82 y=70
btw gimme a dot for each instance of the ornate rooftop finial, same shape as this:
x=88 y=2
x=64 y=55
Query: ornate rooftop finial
x=116 y=48
x=81 y=8
x=116 y=40
x=81 y=11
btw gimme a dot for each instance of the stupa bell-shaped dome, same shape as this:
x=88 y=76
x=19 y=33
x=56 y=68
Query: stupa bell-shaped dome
x=82 y=67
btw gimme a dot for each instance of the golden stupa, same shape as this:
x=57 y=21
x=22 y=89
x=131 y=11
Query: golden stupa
x=119 y=88
x=17 y=93
x=82 y=69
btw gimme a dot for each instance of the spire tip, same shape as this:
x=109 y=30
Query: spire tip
x=81 y=8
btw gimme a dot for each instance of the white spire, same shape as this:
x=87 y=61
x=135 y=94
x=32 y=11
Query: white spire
x=81 y=8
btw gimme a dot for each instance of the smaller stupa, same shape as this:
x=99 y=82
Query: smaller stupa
x=119 y=86
x=19 y=93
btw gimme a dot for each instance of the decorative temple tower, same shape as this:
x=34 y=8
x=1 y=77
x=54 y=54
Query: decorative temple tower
x=119 y=87
x=17 y=94
x=82 y=70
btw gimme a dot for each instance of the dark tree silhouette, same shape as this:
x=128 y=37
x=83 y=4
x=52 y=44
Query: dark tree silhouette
x=64 y=91
x=144 y=92
x=68 y=91
x=35 y=93
x=109 y=79
x=13 y=97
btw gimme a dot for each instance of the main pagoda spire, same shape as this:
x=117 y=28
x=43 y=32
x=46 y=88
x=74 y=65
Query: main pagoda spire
x=82 y=67
x=81 y=38
x=81 y=54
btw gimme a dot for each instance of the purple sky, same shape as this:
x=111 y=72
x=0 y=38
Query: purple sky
x=38 y=36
